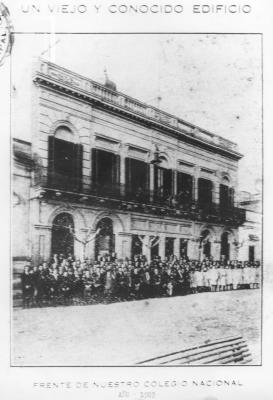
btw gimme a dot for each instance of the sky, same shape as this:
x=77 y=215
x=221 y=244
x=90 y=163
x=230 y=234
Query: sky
x=211 y=80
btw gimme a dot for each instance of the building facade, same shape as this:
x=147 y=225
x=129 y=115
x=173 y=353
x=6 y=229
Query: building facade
x=104 y=172
x=250 y=233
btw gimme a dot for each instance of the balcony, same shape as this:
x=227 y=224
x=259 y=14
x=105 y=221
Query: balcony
x=117 y=197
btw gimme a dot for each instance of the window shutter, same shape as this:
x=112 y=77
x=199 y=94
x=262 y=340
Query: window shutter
x=155 y=178
x=116 y=164
x=173 y=183
x=231 y=197
x=94 y=161
x=128 y=174
x=50 y=171
x=179 y=182
x=167 y=182
x=78 y=152
x=148 y=177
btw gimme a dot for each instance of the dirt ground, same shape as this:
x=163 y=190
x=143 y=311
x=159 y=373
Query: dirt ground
x=128 y=332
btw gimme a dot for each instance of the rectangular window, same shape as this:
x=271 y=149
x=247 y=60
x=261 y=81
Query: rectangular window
x=184 y=188
x=105 y=171
x=169 y=247
x=226 y=197
x=204 y=193
x=137 y=178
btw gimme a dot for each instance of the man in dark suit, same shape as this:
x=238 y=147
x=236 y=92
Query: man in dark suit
x=27 y=287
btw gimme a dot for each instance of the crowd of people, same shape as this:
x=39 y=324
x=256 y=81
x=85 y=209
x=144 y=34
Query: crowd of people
x=65 y=280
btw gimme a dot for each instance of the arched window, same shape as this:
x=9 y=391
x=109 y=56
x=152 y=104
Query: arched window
x=62 y=235
x=64 y=160
x=105 y=240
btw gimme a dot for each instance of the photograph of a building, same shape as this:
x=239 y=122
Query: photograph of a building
x=104 y=174
x=143 y=173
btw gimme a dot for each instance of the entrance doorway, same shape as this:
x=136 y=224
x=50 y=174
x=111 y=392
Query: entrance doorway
x=155 y=249
x=62 y=241
x=136 y=246
x=169 y=247
x=105 y=240
x=225 y=247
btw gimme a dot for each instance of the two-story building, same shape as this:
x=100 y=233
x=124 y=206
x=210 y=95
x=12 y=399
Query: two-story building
x=105 y=172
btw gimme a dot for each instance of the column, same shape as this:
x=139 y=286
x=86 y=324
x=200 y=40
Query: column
x=176 y=247
x=193 y=249
x=122 y=174
x=195 y=188
x=80 y=248
x=86 y=166
x=146 y=250
x=216 y=250
x=162 y=246
x=123 y=245
x=216 y=194
x=195 y=183
x=41 y=243
x=233 y=249
x=90 y=247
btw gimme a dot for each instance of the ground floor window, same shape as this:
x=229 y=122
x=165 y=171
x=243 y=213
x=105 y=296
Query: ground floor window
x=225 y=247
x=155 y=249
x=105 y=240
x=169 y=249
x=183 y=248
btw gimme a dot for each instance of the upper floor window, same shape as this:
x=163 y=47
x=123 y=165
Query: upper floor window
x=137 y=175
x=226 y=194
x=205 y=188
x=163 y=178
x=184 y=188
x=64 y=160
x=105 y=170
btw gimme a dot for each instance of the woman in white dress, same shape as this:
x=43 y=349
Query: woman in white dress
x=213 y=275
x=222 y=278
x=229 y=283
x=199 y=279
x=237 y=274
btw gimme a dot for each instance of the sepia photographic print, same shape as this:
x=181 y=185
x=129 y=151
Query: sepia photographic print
x=136 y=199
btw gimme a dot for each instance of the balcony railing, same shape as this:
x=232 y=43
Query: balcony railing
x=120 y=197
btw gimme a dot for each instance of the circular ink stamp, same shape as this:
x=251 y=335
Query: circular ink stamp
x=6 y=29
